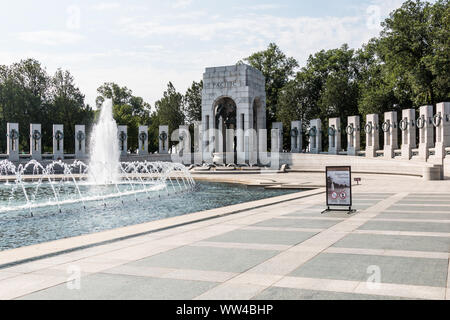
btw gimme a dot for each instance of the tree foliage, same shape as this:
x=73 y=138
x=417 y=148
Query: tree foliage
x=192 y=102
x=29 y=95
x=277 y=69
x=169 y=109
x=408 y=65
x=128 y=110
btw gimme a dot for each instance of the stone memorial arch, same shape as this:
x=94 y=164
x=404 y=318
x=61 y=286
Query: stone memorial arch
x=233 y=113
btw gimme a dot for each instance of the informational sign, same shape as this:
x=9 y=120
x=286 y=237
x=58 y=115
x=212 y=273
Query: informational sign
x=339 y=187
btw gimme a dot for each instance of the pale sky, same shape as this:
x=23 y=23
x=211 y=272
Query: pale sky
x=145 y=44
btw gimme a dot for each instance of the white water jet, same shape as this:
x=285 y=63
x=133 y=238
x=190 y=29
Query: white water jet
x=105 y=155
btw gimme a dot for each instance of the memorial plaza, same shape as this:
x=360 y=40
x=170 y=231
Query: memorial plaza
x=278 y=248
x=394 y=245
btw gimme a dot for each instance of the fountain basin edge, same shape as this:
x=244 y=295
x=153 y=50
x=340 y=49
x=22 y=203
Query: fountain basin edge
x=50 y=249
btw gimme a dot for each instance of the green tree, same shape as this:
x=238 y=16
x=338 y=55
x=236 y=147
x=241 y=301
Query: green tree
x=29 y=95
x=192 y=102
x=67 y=107
x=128 y=110
x=414 y=45
x=335 y=77
x=153 y=138
x=169 y=109
x=298 y=100
x=326 y=87
x=24 y=97
x=277 y=69
x=379 y=90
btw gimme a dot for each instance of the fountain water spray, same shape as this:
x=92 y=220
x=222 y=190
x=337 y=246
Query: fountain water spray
x=59 y=183
x=105 y=156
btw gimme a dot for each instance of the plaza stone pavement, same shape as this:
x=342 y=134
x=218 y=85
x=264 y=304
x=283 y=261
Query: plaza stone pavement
x=400 y=236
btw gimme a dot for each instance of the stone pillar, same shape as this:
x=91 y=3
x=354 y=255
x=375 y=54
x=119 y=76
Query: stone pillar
x=442 y=122
x=277 y=146
x=12 y=144
x=229 y=147
x=263 y=158
x=185 y=144
x=58 y=142
x=390 y=130
x=163 y=139
x=36 y=141
x=274 y=148
x=426 y=128
x=207 y=137
x=240 y=149
x=372 y=135
x=408 y=127
x=296 y=136
x=252 y=147
x=334 y=136
x=244 y=143
x=220 y=135
x=123 y=140
x=315 y=136
x=143 y=140
x=353 y=131
x=198 y=143
x=80 y=141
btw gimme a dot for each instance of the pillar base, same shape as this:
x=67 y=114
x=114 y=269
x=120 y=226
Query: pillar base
x=446 y=168
x=38 y=157
x=406 y=152
x=440 y=152
x=352 y=152
x=13 y=157
x=58 y=156
x=333 y=151
x=424 y=153
x=433 y=173
x=218 y=158
x=371 y=152
x=389 y=153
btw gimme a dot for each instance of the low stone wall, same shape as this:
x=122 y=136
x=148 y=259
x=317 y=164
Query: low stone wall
x=318 y=162
x=70 y=158
x=149 y=157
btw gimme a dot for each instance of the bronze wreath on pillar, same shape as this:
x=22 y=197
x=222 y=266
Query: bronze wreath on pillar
x=163 y=136
x=350 y=129
x=14 y=134
x=36 y=135
x=437 y=119
x=143 y=136
x=80 y=136
x=331 y=131
x=420 y=122
x=59 y=135
x=122 y=136
x=294 y=133
x=403 y=124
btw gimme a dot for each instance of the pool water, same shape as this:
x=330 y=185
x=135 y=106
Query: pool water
x=19 y=228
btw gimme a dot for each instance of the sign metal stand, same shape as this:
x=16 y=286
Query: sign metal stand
x=339 y=188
